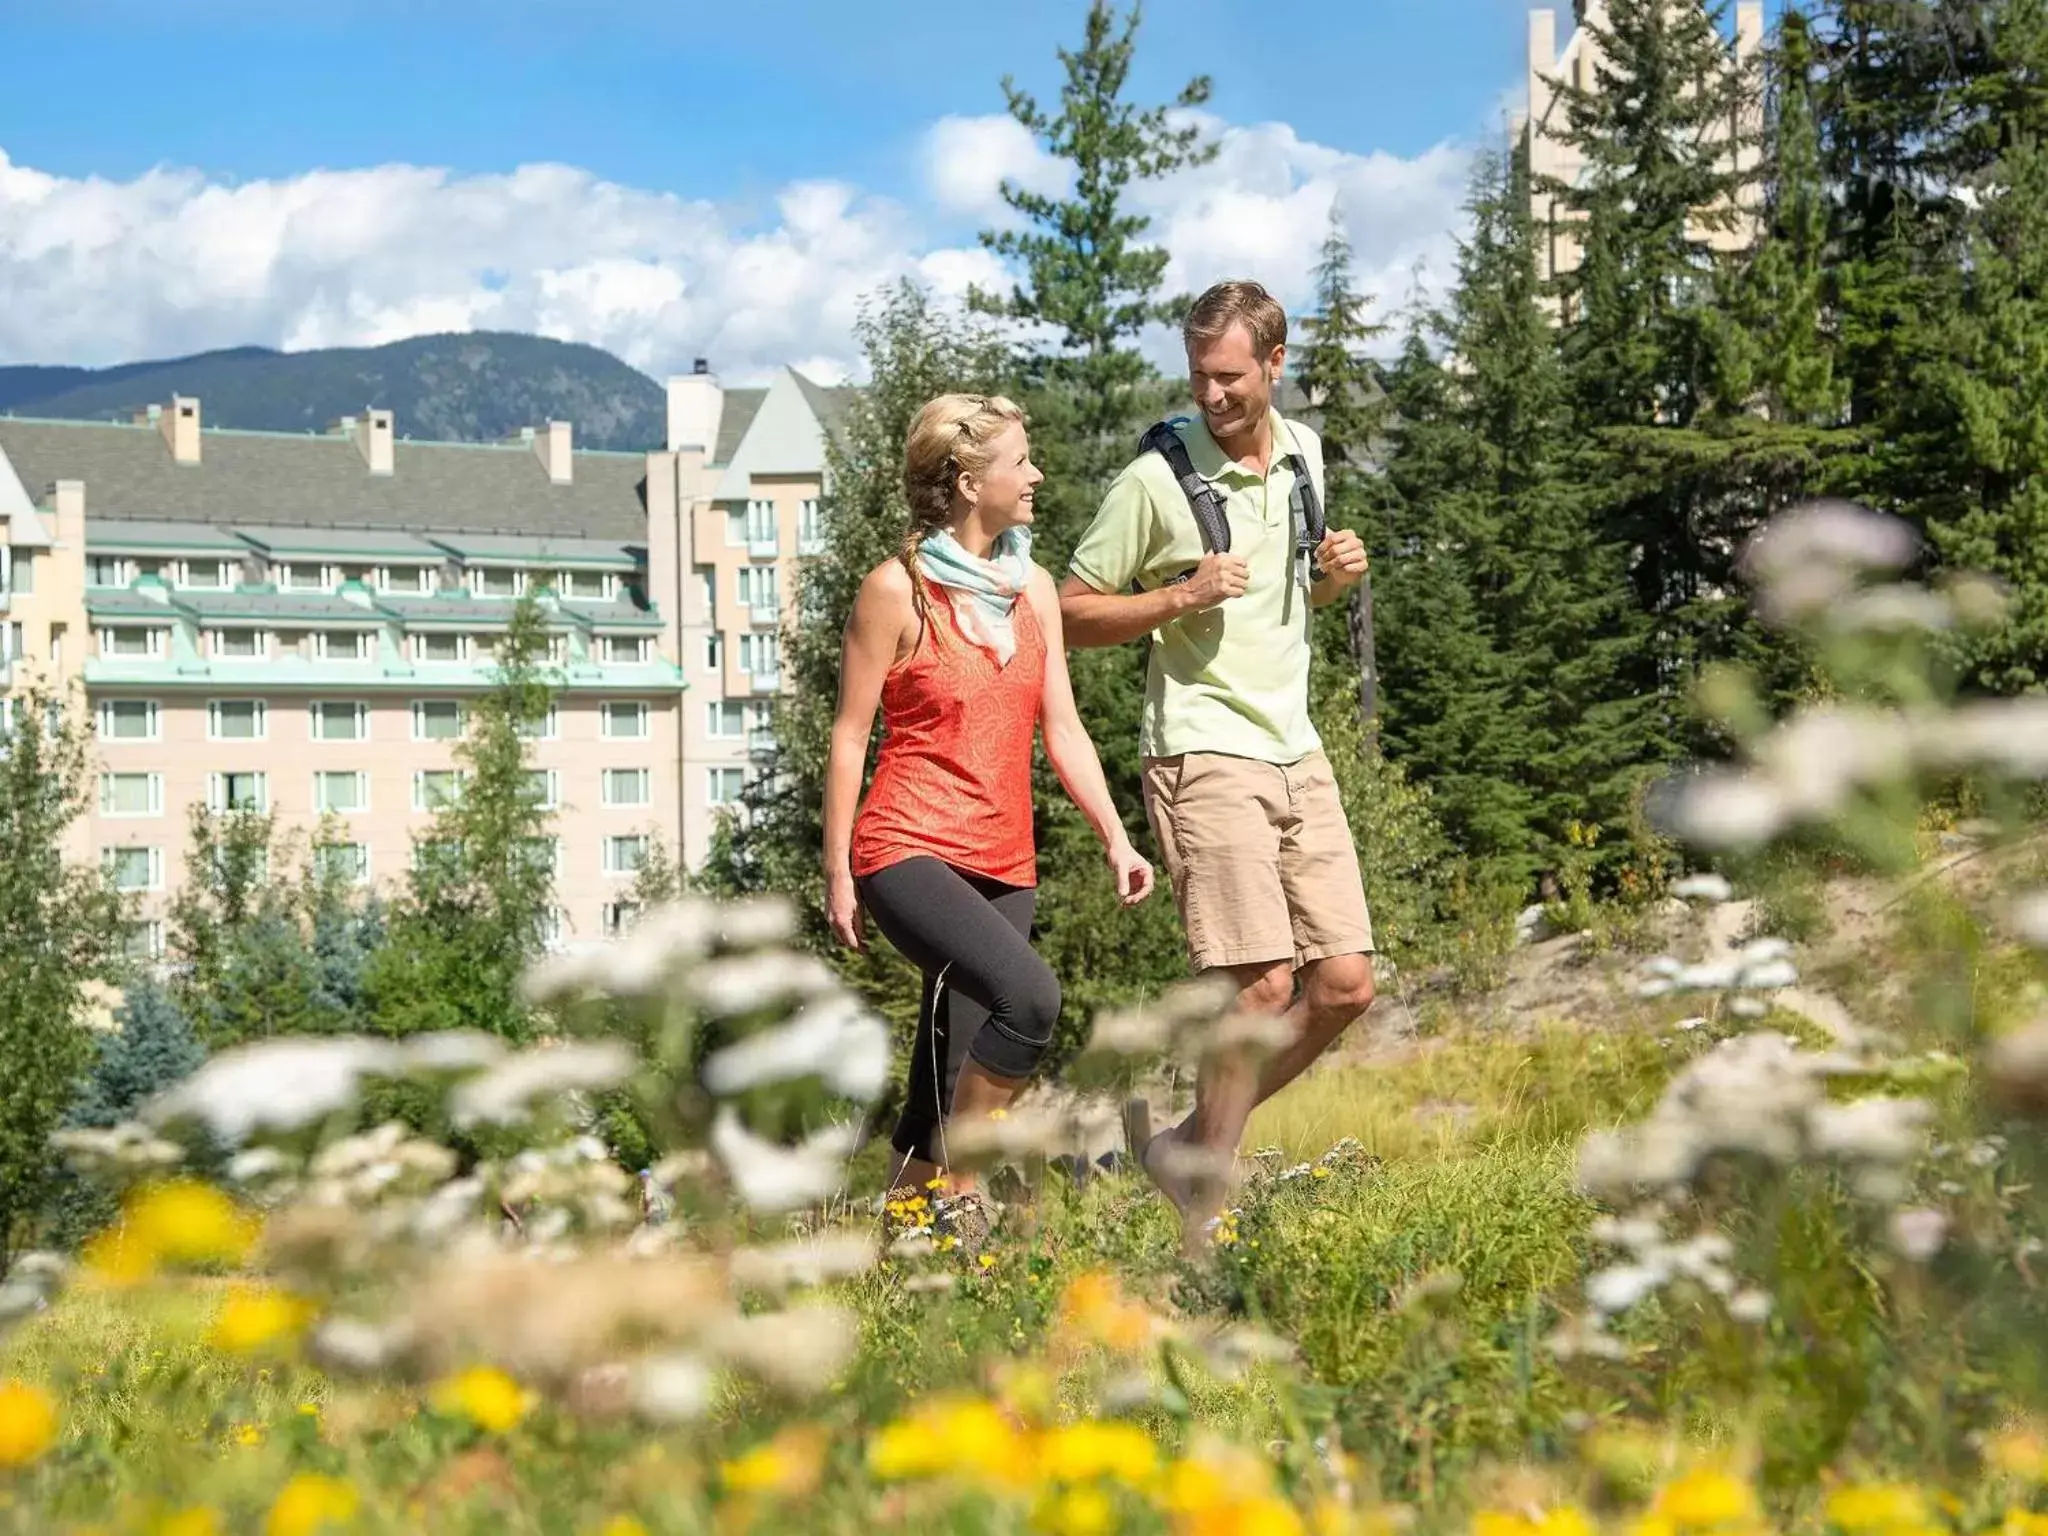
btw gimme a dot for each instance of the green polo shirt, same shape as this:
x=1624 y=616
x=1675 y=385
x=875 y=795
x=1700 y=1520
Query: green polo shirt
x=1232 y=679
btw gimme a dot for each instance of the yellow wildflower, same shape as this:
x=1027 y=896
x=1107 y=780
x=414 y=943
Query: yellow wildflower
x=1075 y=1512
x=2018 y=1453
x=1319 y=1172
x=197 y=1521
x=1653 y=1525
x=622 y=1525
x=1094 y=1305
x=1499 y=1522
x=248 y=1434
x=1080 y=1453
x=986 y=1260
x=1879 y=1506
x=963 y=1437
x=1705 y=1498
x=1565 y=1520
x=484 y=1395
x=28 y=1423
x=179 y=1222
x=311 y=1503
x=253 y=1318
x=789 y=1466
x=2024 y=1522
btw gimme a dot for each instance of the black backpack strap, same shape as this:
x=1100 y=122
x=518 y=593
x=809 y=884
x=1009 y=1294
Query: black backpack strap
x=1204 y=500
x=1310 y=525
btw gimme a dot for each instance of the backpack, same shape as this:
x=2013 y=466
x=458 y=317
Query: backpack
x=1207 y=505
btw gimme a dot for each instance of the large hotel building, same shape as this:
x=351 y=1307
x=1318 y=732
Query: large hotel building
x=299 y=622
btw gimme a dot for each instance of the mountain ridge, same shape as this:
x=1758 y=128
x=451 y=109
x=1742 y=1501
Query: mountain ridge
x=468 y=386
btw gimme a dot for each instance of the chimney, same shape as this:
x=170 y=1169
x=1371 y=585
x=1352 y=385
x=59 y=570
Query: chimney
x=551 y=446
x=373 y=439
x=695 y=403
x=67 y=500
x=180 y=427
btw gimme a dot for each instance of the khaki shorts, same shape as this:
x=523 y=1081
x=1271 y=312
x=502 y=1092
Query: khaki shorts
x=1260 y=857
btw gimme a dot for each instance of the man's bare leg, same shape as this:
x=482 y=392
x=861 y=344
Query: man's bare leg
x=1334 y=992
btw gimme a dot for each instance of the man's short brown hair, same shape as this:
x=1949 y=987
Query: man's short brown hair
x=1237 y=302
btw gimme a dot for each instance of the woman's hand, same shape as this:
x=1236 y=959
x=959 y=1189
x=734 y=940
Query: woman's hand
x=1133 y=875
x=842 y=908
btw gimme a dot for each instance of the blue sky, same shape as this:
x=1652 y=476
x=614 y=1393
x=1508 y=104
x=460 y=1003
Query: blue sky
x=672 y=178
x=719 y=100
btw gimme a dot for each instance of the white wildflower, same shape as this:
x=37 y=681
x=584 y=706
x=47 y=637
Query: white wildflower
x=933 y=1284
x=452 y=1050
x=800 y=1350
x=276 y=1084
x=1918 y=1234
x=744 y=984
x=1730 y=810
x=506 y=1093
x=1748 y=1007
x=1877 y=1129
x=1709 y=888
x=1750 y=1306
x=754 y=922
x=1983 y=1154
x=349 y=1344
x=1765 y=951
x=257 y=1164
x=1708 y=976
x=807 y=1261
x=1894 y=609
x=1618 y=1288
x=1689 y=1025
x=1829 y=533
x=671 y=1388
x=835 y=1039
x=2028 y=916
x=1770 y=976
x=772 y=1177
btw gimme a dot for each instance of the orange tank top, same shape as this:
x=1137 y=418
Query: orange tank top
x=953 y=779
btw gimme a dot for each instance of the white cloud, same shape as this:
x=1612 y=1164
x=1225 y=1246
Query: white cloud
x=98 y=271
x=967 y=159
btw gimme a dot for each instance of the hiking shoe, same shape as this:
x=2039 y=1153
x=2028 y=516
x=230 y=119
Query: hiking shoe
x=967 y=1219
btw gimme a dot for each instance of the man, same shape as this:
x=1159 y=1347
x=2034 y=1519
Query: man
x=1236 y=784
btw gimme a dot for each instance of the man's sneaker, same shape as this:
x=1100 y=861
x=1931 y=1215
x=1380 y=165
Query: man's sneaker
x=967 y=1219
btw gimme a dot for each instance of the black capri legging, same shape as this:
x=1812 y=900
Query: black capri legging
x=987 y=994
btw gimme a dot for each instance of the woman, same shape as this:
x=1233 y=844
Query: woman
x=958 y=641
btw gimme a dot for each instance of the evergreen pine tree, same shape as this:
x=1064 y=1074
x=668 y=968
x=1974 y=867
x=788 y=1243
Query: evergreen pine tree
x=60 y=931
x=1987 y=508
x=474 y=912
x=1352 y=409
x=151 y=1046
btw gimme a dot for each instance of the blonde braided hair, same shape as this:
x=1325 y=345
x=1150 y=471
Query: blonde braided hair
x=949 y=437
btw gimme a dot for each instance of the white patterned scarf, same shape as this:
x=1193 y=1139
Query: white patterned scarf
x=983 y=593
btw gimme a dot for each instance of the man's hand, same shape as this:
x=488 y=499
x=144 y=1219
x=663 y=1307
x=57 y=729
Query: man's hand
x=1218 y=579
x=1342 y=558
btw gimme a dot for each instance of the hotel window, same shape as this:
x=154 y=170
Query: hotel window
x=625 y=855
x=542 y=787
x=497 y=581
x=365 y=575
x=714 y=651
x=626 y=650
x=21 y=572
x=335 y=721
x=725 y=719
x=209 y=574
x=131 y=794
x=810 y=527
x=239 y=644
x=143 y=940
x=552 y=924
x=134 y=869
x=129 y=720
x=544 y=855
x=342 y=645
x=547 y=728
x=342 y=861
x=761 y=529
x=619 y=917
x=760 y=653
x=726 y=785
x=626 y=786
x=440 y=647
x=106 y=571
x=236 y=720
x=437 y=720
x=757 y=586
x=238 y=791
x=433 y=788
x=417 y=579
x=303 y=577
x=342 y=793
x=131 y=642
x=624 y=722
